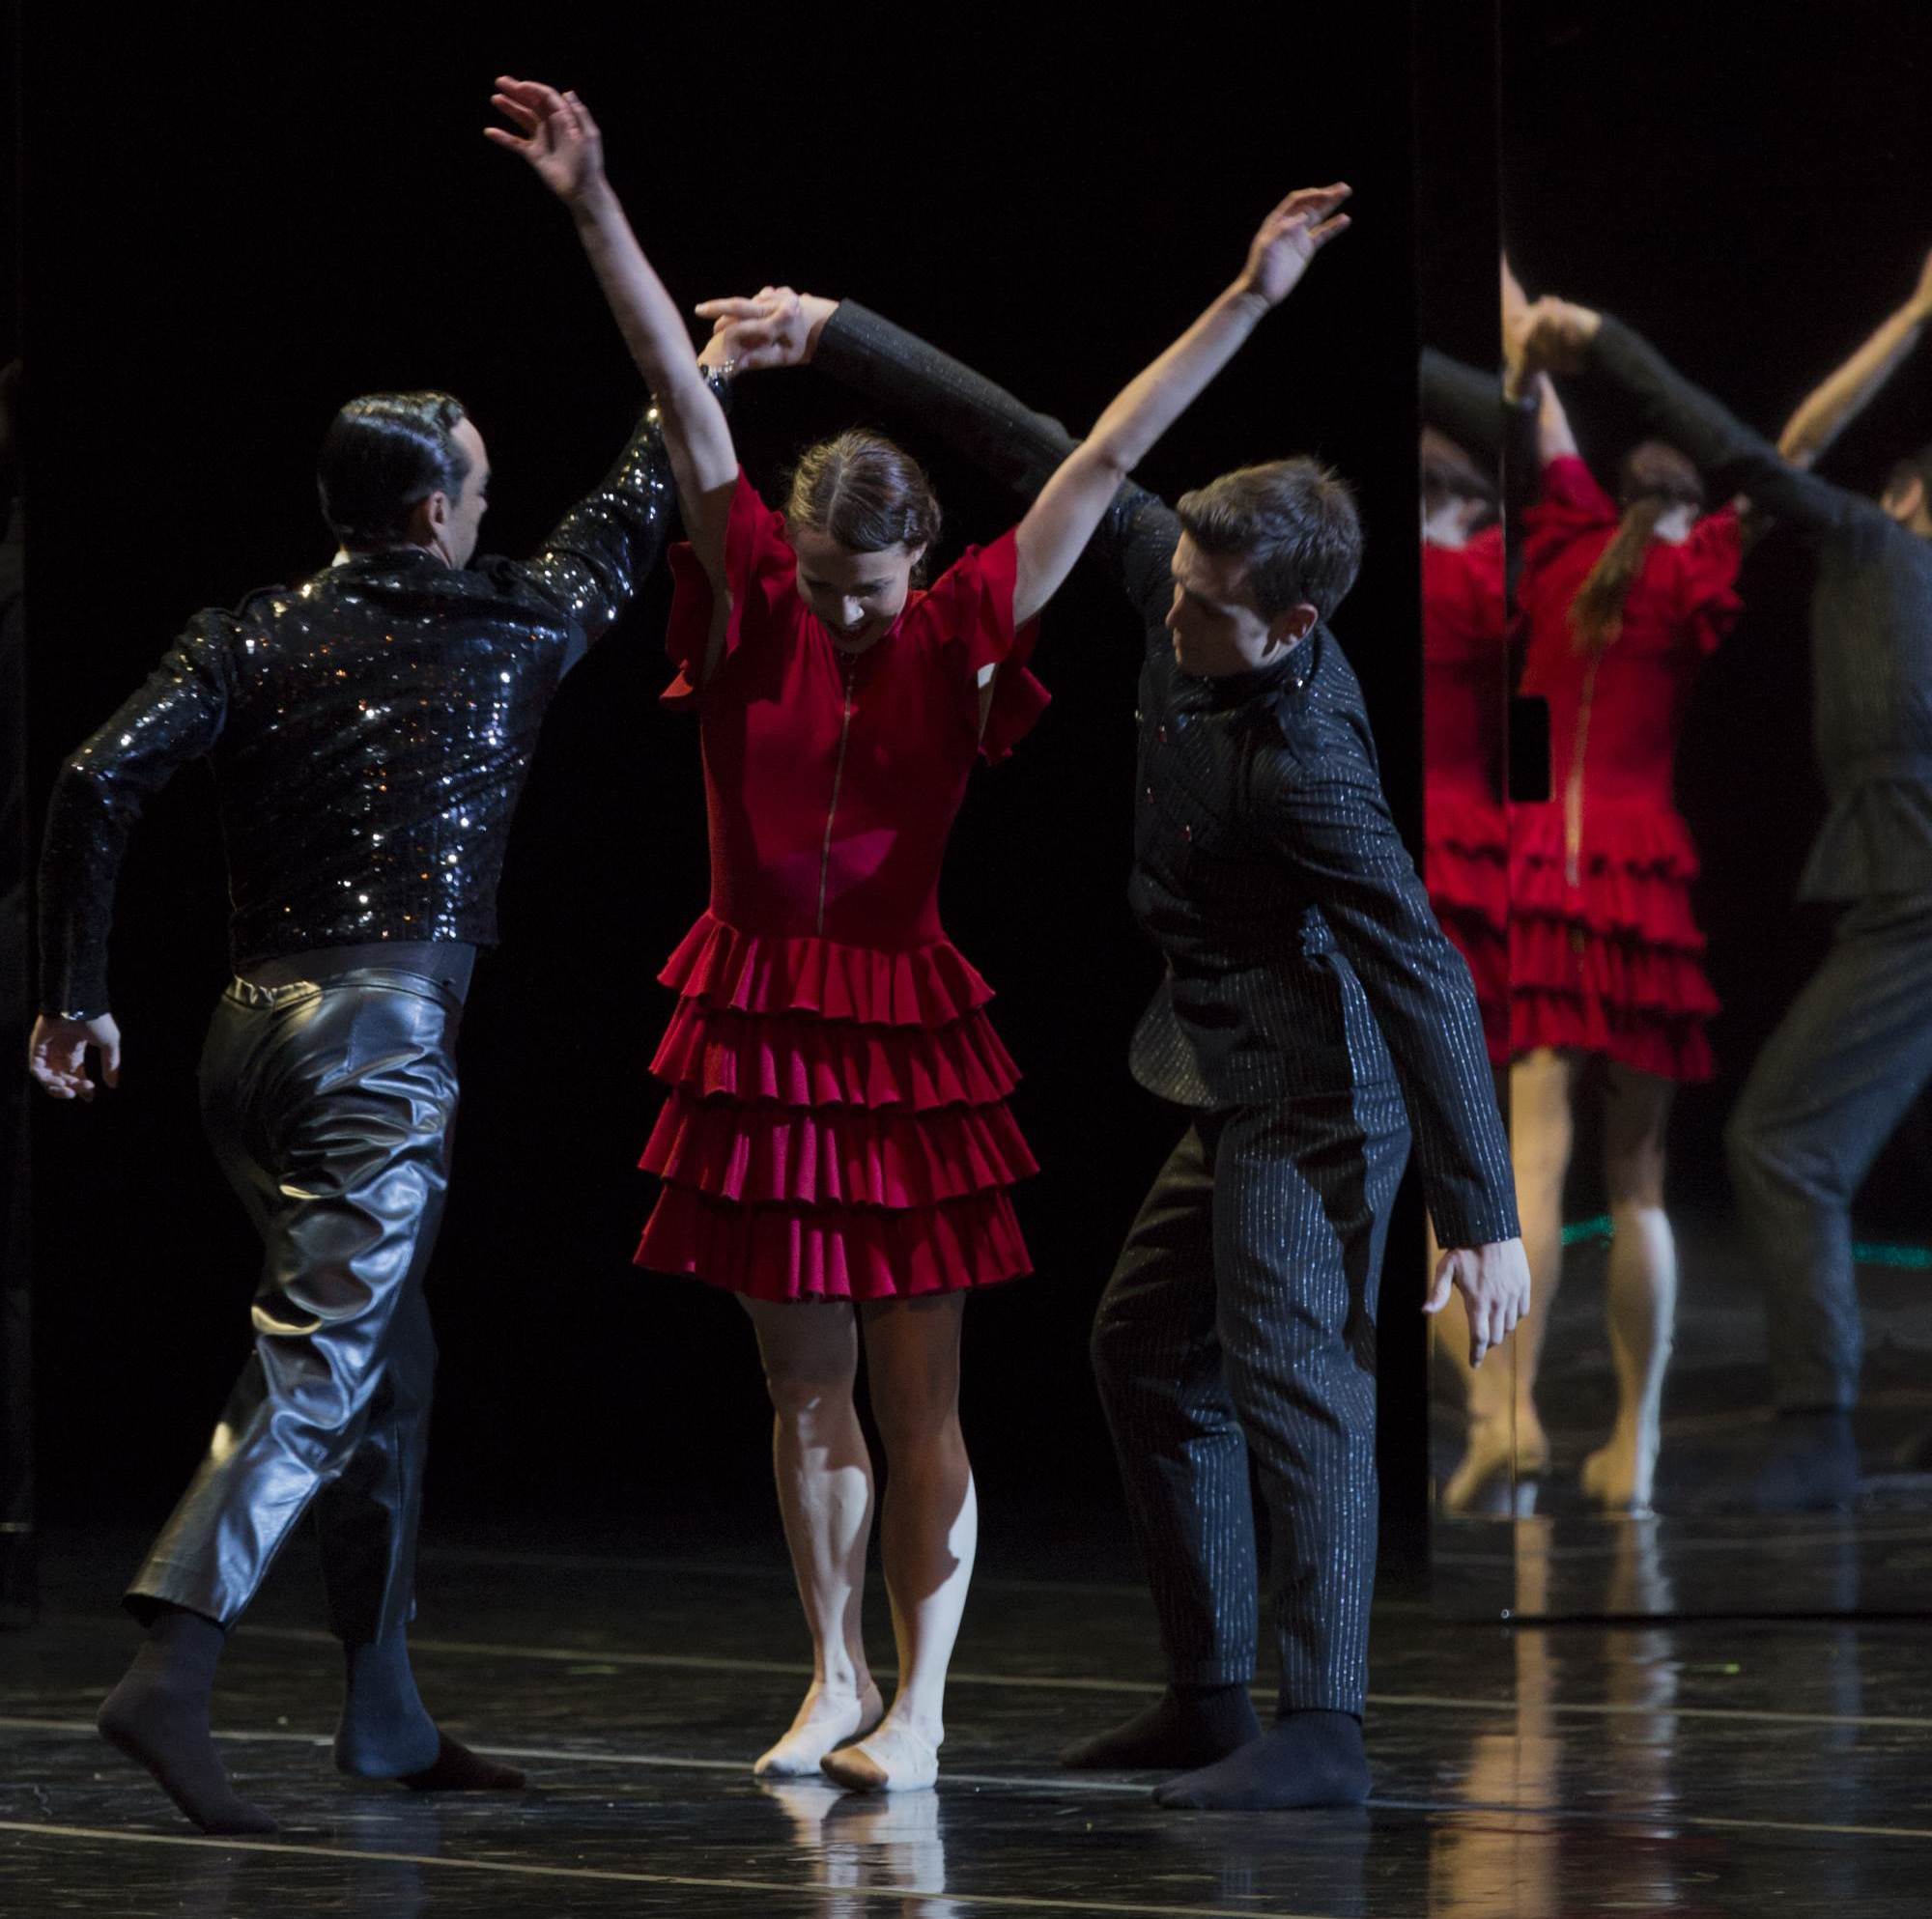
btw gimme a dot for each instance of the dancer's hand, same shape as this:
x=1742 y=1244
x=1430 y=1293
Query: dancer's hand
x=558 y=138
x=57 y=1055
x=1290 y=237
x=1493 y=1280
x=1558 y=335
x=776 y=327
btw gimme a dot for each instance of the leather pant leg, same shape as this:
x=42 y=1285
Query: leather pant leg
x=329 y=1108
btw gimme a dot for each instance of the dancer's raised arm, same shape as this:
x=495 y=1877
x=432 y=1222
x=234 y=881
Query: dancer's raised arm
x=1846 y=393
x=560 y=140
x=1061 y=521
x=1025 y=450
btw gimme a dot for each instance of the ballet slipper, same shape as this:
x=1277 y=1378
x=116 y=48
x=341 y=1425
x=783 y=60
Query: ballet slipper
x=894 y=1759
x=824 y=1720
x=1493 y=1448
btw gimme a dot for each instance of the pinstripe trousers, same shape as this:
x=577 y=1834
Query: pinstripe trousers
x=1240 y=1325
x=1852 y=1054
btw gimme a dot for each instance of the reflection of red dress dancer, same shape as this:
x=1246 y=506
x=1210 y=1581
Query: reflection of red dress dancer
x=837 y=1125
x=1621 y=602
x=1604 y=955
x=1466 y=831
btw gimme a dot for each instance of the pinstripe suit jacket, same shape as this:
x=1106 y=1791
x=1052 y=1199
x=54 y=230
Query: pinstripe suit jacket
x=1302 y=957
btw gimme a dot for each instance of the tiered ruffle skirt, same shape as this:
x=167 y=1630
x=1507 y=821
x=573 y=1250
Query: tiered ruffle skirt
x=1465 y=868
x=837 y=1125
x=1607 y=959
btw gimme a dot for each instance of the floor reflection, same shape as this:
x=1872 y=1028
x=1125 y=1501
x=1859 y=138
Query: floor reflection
x=1634 y=1763
x=862 y=1844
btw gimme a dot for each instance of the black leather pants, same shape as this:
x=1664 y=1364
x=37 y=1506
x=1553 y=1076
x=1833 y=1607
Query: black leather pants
x=330 y=1107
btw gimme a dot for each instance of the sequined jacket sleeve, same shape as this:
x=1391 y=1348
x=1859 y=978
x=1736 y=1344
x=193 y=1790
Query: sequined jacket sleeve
x=605 y=546
x=1319 y=802
x=999 y=434
x=175 y=717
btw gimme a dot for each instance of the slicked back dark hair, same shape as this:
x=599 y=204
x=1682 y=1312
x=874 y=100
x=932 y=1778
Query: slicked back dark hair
x=382 y=456
x=1293 y=522
x=865 y=491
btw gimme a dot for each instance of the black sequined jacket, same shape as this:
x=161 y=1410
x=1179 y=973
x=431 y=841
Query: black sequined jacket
x=369 y=730
x=1302 y=958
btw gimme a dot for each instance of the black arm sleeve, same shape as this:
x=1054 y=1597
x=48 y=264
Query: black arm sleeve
x=1000 y=435
x=1337 y=831
x=1736 y=460
x=175 y=717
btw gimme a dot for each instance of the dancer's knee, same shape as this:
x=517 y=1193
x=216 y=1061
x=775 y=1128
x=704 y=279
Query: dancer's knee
x=808 y=1394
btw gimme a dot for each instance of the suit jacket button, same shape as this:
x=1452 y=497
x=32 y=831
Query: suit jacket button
x=1187 y=832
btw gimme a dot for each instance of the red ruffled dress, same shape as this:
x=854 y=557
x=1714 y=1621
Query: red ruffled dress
x=1465 y=831
x=837 y=1125
x=1604 y=954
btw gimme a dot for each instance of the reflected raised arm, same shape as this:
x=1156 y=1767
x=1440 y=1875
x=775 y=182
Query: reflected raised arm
x=1850 y=389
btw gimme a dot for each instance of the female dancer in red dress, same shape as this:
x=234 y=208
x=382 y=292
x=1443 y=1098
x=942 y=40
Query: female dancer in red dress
x=836 y=1147
x=1621 y=602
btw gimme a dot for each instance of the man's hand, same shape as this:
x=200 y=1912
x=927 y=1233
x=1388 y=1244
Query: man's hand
x=1493 y=1280
x=774 y=326
x=57 y=1055
x=558 y=138
x=1290 y=237
x=1557 y=335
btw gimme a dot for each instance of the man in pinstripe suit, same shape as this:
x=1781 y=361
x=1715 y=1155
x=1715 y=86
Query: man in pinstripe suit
x=1311 y=1011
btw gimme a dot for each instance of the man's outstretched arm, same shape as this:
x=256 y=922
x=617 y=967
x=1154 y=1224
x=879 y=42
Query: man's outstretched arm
x=978 y=419
x=1849 y=389
x=1568 y=338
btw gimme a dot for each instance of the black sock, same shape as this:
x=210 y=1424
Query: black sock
x=1811 y=1464
x=159 y=1716
x=457 y=1769
x=386 y=1731
x=1186 y=1726
x=1304 y=1758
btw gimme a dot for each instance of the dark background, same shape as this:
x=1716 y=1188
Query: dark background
x=229 y=232
x=255 y=225
x=1751 y=188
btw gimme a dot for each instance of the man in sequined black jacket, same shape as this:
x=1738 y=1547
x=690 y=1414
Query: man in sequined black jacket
x=369 y=730
x=1309 y=999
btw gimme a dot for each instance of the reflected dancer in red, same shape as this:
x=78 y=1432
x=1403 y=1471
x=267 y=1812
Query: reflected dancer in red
x=1621 y=600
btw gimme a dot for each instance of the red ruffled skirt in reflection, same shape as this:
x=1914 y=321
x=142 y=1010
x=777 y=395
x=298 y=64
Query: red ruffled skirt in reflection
x=837 y=1126
x=1465 y=868
x=1607 y=959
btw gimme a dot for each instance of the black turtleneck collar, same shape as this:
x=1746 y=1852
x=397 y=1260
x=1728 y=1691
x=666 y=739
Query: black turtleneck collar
x=1230 y=689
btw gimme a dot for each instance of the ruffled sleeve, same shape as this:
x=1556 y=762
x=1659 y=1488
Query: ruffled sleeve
x=967 y=621
x=1709 y=604
x=759 y=568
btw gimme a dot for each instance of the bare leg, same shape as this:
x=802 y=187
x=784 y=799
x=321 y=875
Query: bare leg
x=1641 y=1297
x=1505 y=1432
x=824 y=1471
x=929 y=1533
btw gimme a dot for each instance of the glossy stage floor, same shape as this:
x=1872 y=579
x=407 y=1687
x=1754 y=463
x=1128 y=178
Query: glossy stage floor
x=1544 y=1772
